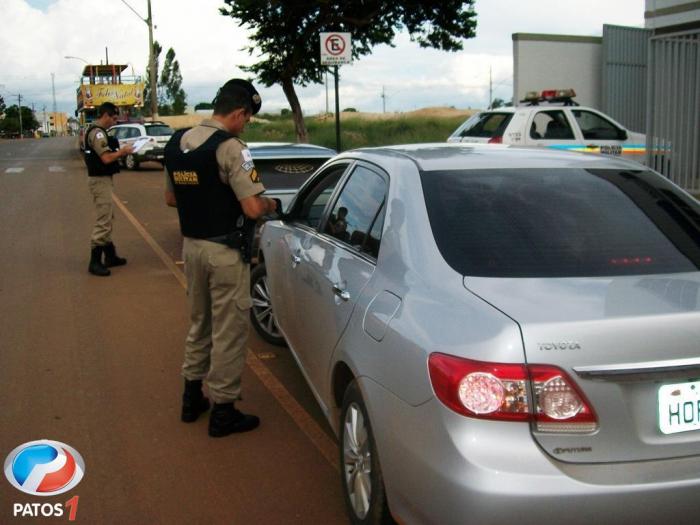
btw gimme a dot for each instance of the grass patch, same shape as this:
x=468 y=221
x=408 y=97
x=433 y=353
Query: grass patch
x=357 y=132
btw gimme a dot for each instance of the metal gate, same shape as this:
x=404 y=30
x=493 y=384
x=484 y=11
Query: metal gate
x=673 y=108
x=625 y=51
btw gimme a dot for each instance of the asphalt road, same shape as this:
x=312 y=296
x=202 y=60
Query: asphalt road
x=95 y=363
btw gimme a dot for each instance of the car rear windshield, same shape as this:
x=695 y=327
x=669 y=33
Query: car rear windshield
x=561 y=222
x=281 y=173
x=486 y=125
x=159 y=131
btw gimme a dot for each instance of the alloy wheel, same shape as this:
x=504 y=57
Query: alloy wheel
x=262 y=308
x=357 y=461
x=130 y=162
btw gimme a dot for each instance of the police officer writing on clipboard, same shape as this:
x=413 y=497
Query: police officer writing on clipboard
x=213 y=182
x=101 y=155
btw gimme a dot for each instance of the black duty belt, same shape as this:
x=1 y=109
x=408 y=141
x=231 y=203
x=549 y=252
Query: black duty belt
x=236 y=240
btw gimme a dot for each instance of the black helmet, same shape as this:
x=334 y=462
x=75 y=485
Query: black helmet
x=238 y=83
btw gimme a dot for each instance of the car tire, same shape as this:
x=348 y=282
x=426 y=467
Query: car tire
x=262 y=316
x=131 y=163
x=361 y=475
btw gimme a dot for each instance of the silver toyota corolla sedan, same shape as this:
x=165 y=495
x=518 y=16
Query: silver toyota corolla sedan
x=498 y=335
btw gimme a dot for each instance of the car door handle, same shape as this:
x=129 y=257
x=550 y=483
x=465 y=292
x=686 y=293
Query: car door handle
x=341 y=292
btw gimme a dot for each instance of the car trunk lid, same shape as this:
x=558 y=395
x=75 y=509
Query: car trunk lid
x=632 y=346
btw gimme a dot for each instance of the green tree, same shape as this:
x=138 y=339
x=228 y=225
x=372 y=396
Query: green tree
x=285 y=34
x=174 y=99
x=497 y=103
x=10 y=124
x=147 y=87
x=2 y=106
x=204 y=105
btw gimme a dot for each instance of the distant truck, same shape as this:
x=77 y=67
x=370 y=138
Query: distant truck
x=102 y=83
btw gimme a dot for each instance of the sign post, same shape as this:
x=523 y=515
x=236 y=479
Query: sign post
x=336 y=49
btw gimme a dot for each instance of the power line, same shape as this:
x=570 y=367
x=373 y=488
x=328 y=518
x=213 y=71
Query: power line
x=134 y=10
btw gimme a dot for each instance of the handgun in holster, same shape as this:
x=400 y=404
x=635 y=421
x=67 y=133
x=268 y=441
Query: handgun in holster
x=242 y=239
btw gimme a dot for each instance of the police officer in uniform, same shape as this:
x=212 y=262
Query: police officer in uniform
x=213 y=182
x=101 y=157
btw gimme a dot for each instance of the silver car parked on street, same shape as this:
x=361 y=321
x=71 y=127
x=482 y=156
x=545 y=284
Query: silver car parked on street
x=498 y=335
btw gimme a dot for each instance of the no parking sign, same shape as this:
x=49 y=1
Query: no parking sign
x=336 y=49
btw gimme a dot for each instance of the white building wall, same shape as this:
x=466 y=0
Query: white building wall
x=558 y=62
x=659 y=14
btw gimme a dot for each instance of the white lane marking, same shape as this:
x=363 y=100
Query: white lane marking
x=56 y=169
x=14 y=170
x=313 y=431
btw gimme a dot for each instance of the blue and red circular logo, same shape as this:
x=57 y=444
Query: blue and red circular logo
x=44 y=467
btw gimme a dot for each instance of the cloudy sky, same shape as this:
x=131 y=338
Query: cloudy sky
x=37 y=35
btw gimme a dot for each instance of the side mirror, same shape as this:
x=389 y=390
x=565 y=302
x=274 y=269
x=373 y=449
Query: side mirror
x=622 y=134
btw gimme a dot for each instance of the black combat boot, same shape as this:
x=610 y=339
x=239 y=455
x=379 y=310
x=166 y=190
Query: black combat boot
x=96 y=267
x=111 y=257
x=225 y=420
x=193 y=401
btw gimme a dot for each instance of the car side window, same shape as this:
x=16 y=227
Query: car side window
x=358 y=214
x=134 y=132
x=310 y=210
x=486 y=125
x=551 y=125
x=595 y=127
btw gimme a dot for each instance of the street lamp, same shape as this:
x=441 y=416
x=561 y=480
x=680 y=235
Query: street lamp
x=151 y=59
x=77 y=58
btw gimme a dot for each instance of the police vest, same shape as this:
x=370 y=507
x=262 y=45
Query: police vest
x=95 y=166
x=206 y=206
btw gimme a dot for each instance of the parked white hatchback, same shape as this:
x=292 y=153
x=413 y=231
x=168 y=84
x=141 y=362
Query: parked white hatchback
x=149 y=137
x=552 y=119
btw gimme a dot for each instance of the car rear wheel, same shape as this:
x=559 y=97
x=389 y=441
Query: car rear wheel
x=131 y=163
x=363 y=485
x=261 y=314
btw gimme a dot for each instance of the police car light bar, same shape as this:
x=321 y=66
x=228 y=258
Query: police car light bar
x=549 y=94
x=565 y=96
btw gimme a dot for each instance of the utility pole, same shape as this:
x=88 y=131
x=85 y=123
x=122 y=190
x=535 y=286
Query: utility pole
x=55 y=110
x=53 y=92
x=490 y=89
x=151 y=59
x=383 y=99
x=152 y=66
x=19 y=105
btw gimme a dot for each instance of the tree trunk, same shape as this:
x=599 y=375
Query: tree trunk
x=288 y=88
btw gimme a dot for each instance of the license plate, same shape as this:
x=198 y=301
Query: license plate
x=679 y=407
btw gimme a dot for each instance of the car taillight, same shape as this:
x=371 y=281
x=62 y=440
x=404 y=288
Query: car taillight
x=498 y=139
x=480 y=389
x=559 y=405
x=501 y=391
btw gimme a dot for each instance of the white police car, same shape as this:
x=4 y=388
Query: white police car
x=552 y=119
